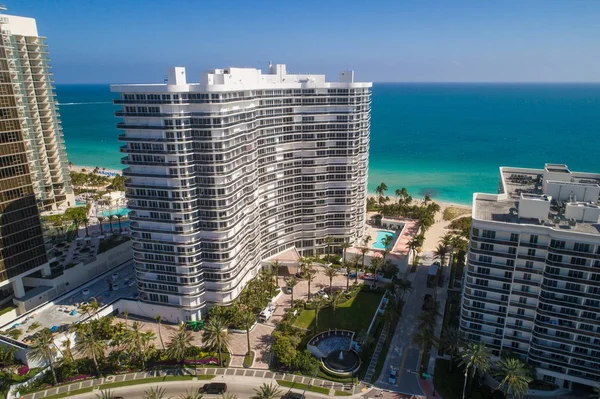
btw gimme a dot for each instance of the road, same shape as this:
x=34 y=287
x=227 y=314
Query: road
x=402 y=354
x=242 y=387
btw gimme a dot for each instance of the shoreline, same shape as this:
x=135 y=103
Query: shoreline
x=89 y=169
x=443 y=204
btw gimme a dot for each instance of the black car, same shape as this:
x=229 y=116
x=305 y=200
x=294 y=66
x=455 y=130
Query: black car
x=427 y=302
x=292 y=395
x=214 y=388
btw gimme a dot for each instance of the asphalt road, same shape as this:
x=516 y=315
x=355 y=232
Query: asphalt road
x=402 y=354
x=243 y=388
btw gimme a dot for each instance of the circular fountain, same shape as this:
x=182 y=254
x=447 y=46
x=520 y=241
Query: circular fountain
x=333 y=347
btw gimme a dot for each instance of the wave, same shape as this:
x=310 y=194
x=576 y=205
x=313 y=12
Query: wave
x=88 y=103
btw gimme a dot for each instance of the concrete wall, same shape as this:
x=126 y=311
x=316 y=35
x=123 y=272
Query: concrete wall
x=75 y=276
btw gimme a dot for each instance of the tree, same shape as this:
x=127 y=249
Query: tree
x=291 y=283
x=514 y=377
x=328 y=242
x=139 y=342
x=424 y=339
x=105 y=394
x=450 y=342
x=381 y=189
x=363 y=251
x=156 y=392
x=440 y=253
x=66 y=345
x=190 y=394
x=119 y=216
x=158 y=322
x=89 y=345
x=179 y=344
x=101 y=220
x=275 y=267
x=376 y=264
x=319 y=304
x=309 y=273
x=110 y=219
x=284 y=349
x=248 y=319
x=215 y=336
x=43 y=349
x=337 y=299
x=266 y=392
x=86 y=223
x=331 y=272
x=345 y=245
x=475 y=358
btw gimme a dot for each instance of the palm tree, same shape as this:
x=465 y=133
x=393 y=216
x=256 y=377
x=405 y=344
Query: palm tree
x=190 y=394
x=275 y=267
x=450 y=342
x=155 y=393
x=215 y=336
x=43 y=349
x=346 y=267
x=101 y=220
x=404 y=286
x=424 y=339
x=440 y=253
x=328 y=242
x=331 y=272
x=110 y=219
x=105 y=394
x=66 y=345
x=363 y=252
x=309 y=273
x=476 y=359
x=248 y=319
x=376 y=264
x=86 y=223
x=513 y=376
x=139 y=341
x=158 y=322
x=319 y=303
x=336 y=300
x=179 y=343
x=345 y=245
x=381 y=189
x=119 y=216
x=291 y=283
x=266 y=392
x=89 y=345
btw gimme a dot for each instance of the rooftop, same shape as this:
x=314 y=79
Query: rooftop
x=546 y=197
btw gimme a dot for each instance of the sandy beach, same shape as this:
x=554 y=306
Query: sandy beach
x=89 y=169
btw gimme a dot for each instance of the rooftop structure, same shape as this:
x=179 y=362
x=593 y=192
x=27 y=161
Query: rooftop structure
x=231 y=170
x=532 y=283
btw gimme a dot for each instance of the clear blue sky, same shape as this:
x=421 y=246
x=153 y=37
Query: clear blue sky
x=110 y=41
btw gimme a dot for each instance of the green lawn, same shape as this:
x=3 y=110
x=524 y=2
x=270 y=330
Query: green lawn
x=7 y=308
x=289 y=384
x=342 y=393
x=354 y=315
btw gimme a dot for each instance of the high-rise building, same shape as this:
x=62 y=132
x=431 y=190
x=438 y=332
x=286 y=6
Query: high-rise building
x=34 y=172
x=224 y=173
x=532 y=285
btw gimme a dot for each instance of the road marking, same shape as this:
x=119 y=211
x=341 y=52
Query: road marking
x=402 y=366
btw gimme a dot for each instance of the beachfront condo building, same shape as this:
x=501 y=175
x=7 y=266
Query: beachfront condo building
x=227 y=172
x=532 y=282
x=34 y=172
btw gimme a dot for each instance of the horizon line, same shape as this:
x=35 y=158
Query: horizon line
x=378 y=82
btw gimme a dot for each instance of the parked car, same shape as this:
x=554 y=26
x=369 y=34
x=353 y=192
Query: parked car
x=427 y=302
x=352 y=274
x=299 y=275
x=287 y=289
x=214 y=388
x=393 y=376
x=323 y=294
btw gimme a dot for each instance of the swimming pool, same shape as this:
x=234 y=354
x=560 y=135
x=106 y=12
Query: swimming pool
x=108 y=212
x=381 y=234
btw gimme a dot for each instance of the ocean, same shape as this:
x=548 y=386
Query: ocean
x=444 y=139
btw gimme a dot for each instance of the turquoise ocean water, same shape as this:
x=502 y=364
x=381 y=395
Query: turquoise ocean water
x=446 y=139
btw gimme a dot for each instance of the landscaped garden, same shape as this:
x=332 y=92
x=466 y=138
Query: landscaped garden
x=355 y=314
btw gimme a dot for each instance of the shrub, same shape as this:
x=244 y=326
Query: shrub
x=23 y=370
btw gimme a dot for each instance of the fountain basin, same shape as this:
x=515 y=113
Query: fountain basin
x=333 y=348
x=342 y=362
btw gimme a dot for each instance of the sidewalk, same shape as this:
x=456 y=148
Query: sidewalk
x=224 y=373
x=428 y=389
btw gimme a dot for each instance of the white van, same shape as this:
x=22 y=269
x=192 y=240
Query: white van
x=267 y=313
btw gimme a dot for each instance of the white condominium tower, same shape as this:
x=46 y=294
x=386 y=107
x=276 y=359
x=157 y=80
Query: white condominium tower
x=225 y=173
x=27 y=89
x=532 y=283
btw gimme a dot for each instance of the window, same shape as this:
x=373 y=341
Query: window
x=514 y=237
x=489 y=234
x=512 y=250
x=533 y=239
x=527 y=276
x=573 y=287
x=510 y=262
x=521 y=312
x=475 y=232
x=514 y=345
x=531 y=252
x=506 y=286
x=557 y=244
x=575 y=273
x=504 y=298
x=577 y=261
x=485 y=259
x=522 y=300
x=507 y=274
x=581 y=247
x=486 y=247
x=525 y=288
x=482 y=282
x=529 y=264
x=483 y=270
x=552 y=270
x=519 y=323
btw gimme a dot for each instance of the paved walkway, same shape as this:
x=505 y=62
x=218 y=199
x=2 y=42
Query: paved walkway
x=219 y=373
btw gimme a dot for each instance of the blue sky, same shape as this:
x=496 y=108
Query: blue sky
x=132 y=41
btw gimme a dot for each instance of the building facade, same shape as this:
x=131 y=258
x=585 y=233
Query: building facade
x=532 y=283
x=34 y=172
x=227 y=172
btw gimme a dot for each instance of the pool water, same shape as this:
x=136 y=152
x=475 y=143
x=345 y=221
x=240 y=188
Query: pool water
x=108 y=212
x=381 y=234
x=330 y=344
